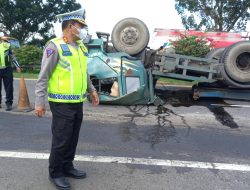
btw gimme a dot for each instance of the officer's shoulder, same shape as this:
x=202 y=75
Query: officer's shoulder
x=6 y=43
x=51 y=43
x=82 y=45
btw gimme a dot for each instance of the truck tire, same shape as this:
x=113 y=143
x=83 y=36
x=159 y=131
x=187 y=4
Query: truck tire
x=215 y=53
x=130 y=35
x=236 y=59
x=231 y=83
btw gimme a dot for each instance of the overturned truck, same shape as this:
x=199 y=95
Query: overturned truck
x=126 y=71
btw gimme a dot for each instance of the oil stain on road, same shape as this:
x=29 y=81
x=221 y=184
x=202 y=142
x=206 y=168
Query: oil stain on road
x=163 y=131
x=178 y=98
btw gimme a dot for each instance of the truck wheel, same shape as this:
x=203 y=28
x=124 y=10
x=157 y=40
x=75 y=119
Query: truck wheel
x=236 y=59
x=130 y=35
x=215 y=53
x=231 y=83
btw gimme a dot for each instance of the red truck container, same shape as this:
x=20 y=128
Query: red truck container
x=217 y=39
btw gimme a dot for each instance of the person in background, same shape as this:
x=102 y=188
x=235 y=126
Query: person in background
x=6 y=72
x=64 y=78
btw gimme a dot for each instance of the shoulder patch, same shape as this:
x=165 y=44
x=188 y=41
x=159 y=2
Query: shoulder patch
x=49 y=52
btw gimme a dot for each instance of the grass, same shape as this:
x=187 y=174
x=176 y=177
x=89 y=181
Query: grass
x=176 y=82
x=26 y=75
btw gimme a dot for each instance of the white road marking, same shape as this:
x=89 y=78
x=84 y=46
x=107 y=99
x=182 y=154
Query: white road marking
x=223 y=105
x=131 y=160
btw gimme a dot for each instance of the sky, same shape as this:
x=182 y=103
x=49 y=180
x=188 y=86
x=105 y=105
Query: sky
x=102 y=15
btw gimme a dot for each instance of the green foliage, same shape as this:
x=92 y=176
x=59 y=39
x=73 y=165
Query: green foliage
x=192 y=46
x=214 y=15
x=26 y=75
x=32 y=19
x=28 y=55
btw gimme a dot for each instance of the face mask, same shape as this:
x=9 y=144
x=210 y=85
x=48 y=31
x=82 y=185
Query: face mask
x=82 y=33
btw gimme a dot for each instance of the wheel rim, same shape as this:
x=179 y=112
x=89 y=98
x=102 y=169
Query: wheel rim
x=130 y=36
x=243 y=62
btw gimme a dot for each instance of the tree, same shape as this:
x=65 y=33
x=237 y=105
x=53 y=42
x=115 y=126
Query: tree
x=214 y=15
x=32 y=19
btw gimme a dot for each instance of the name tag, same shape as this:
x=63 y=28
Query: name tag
x=67 y=53
x=66 y=50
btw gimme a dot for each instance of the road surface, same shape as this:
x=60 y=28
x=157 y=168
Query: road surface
x=180 y=145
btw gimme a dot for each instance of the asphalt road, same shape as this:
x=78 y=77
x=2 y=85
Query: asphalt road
x=181 y=145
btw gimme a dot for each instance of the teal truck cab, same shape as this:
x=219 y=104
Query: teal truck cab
x=118 y=77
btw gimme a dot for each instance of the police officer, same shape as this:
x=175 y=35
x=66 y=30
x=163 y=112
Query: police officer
x=6 y=74
x=64 y=78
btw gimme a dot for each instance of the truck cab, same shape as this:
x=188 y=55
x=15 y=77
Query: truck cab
x=118 y=77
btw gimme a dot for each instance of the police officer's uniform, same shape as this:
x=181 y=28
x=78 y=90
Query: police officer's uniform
x=64 y=78
x=6 y=74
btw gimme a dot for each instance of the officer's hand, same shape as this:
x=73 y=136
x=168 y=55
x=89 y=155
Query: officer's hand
x=18 y=69
x=40 y=111
x=94 y=98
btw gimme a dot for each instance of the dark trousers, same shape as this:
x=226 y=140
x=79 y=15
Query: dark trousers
x=6 y=75
x=66 y=124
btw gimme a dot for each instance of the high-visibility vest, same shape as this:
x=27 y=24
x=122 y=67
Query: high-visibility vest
x=68 y=82
x=4 y=54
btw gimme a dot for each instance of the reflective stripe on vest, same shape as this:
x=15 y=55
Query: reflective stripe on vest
x=68 y=82
x=65 y=96
x=4 y=54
